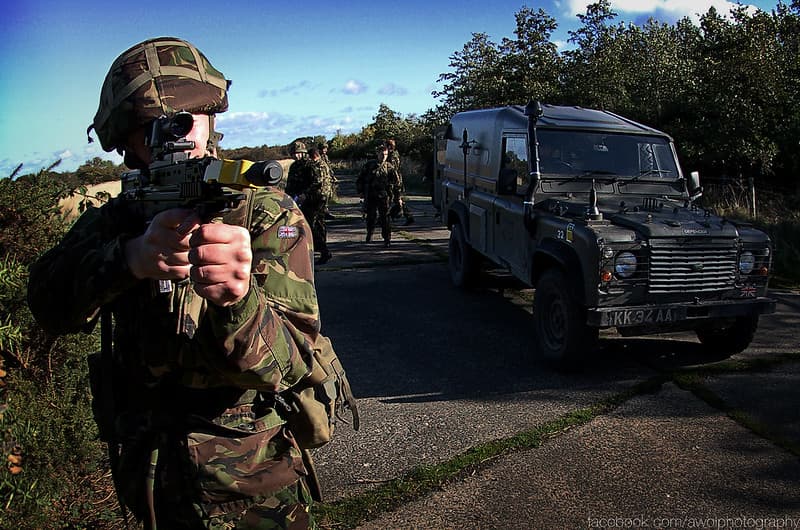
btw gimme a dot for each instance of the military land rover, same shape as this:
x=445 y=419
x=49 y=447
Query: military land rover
x=593 y=211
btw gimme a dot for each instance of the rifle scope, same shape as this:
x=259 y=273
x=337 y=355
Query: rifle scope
x=167 y=129
x=179 y=125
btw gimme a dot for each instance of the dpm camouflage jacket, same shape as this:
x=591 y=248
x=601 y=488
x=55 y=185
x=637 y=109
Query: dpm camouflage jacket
x=198 y=381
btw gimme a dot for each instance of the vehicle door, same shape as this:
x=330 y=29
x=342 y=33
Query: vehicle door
x=510 y=237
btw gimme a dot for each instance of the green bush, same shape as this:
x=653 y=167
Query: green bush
x=778 y=216
x=53 y=474
x=786 y=239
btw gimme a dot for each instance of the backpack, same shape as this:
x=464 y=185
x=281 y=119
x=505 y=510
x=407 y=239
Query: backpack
x=313 y=405
x=316 y=403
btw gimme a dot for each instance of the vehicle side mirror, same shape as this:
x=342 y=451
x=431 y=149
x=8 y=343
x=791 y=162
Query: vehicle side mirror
x=507 y=183
x=693 y=186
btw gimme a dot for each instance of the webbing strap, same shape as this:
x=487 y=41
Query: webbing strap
x=154 y=68
x=151 y=54
x=199 y=62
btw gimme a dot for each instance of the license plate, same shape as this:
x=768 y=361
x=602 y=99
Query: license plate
x=636 y=317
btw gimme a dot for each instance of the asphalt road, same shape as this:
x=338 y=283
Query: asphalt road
x=438 y=370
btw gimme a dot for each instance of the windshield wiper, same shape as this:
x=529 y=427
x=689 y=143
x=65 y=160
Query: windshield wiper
x=648 y=172
x=603 y=176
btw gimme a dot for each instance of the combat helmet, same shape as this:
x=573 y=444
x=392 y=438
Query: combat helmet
x=154 y=78
x=297 y=147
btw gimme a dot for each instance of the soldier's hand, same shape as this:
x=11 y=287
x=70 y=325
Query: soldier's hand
x=221 y=260
x=162 y=252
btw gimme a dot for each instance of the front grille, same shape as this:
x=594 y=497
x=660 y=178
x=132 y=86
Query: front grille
x=692 y=266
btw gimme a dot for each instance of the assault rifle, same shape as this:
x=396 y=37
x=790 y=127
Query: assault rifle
x=173 y=180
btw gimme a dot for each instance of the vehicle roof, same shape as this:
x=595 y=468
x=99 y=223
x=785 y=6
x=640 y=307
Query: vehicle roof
x=556 y=116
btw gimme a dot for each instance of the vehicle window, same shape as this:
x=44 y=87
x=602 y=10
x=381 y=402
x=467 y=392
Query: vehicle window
x=626 y=155
x=441 y=151
x=515 y=156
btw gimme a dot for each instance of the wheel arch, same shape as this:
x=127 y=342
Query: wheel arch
x=457 y=214
x=551 y=253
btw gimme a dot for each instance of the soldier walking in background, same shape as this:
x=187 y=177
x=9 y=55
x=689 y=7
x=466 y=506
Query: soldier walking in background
x=399 y=203
x=310 y=188
x=315 y=204
x=296 y=180
x=378 y=178
x=323 y=153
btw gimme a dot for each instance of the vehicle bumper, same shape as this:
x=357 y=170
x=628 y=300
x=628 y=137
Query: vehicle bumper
x=674 y=313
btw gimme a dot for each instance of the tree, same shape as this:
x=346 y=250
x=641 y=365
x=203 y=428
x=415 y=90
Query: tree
x=530 y=64
x=475 y=77
x=97 y=170
x=736 y=103
x=595 y=73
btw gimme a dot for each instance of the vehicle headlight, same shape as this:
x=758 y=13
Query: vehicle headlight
x=746 y=262
x=625 y=265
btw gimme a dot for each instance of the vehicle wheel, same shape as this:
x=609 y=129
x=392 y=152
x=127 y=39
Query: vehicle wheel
x=561 y=333
x=462 y=261
x=733 y=337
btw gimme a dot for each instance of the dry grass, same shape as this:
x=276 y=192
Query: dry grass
x=96 y=194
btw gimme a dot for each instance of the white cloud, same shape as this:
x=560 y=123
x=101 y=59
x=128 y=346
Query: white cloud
x=676 y=8
x=354 y=87
x=64 y=155
x=391 y=89
x=290 y=89
x=263 y=128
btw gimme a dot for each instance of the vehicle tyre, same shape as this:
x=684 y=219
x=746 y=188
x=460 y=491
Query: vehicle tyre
x=733 y=337
x=561 y=334
x=462 y=261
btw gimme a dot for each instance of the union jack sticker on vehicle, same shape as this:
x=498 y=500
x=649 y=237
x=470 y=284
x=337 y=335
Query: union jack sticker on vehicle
x=748 y=291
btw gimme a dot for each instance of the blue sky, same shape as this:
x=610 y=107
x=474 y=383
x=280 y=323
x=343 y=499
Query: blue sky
x=298 y=68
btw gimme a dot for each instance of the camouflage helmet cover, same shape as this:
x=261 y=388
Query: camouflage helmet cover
x=156 y=77
x=297 y=147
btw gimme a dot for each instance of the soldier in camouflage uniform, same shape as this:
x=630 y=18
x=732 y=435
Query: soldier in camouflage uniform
x=377 y=180
x=198 y=435
x=297 y=177
x=323 y=153
x=310 y=184
x=399 y=204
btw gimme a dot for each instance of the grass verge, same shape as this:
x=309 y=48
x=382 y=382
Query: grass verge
x=694 y=382
x=419 y=482
x=352 y=511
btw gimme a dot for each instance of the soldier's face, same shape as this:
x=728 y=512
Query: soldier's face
x=200 y=134
x=382 y=155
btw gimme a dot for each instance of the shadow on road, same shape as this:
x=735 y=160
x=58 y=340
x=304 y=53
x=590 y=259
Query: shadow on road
x=406 y=334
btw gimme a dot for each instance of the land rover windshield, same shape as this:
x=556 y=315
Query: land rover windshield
x=576 y=154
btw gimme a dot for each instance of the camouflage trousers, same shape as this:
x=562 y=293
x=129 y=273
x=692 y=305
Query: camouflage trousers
x=287 y=509
x=315 y=215
x=378 y=208
x=399 y=205
x=216 y=484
